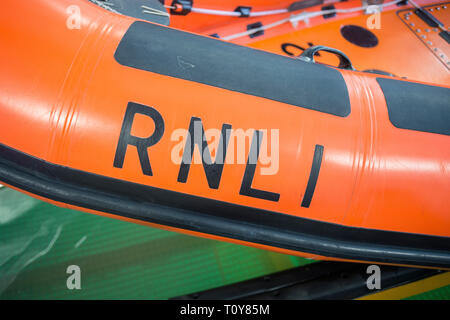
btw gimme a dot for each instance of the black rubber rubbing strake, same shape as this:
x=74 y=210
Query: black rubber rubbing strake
x=212 y=62
x=416 y=106
x=204 y=215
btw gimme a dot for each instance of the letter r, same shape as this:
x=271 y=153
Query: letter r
x=141 y=144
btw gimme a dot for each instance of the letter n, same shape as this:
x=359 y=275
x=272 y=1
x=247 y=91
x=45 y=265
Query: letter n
x=196 y=136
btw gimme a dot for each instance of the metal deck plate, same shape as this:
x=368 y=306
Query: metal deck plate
x=427 y=34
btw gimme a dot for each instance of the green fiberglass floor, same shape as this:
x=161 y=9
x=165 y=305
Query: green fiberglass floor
x=118 y=260
x=442 y=293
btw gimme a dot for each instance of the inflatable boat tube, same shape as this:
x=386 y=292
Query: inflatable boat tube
x=107 y=114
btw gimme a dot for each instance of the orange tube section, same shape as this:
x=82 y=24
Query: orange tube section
x=64 y=97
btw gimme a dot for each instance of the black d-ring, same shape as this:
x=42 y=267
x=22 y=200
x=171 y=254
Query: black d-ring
x=344 y=61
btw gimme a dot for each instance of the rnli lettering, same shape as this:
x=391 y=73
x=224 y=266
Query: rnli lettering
x=250 y=168
x=196 y=137
x=141 y=144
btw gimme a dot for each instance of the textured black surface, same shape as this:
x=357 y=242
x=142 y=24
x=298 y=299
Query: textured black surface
x=359 y=36
x=210 y=216
x=417 y=106
x=220 y=64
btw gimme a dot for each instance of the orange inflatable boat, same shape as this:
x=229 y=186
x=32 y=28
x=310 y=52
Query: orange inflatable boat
x=130 y=119
x=378 y=36
x=247 y=21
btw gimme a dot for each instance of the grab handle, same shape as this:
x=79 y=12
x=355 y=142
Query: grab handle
x=344 y=61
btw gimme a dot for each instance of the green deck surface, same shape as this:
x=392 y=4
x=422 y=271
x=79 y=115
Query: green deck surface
x=436 y=294
x=118 y=260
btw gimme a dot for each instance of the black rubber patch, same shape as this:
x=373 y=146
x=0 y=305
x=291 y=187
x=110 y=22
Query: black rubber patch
x=416 y=106
x=189 y=212
x=205 y=60
x=359 y=36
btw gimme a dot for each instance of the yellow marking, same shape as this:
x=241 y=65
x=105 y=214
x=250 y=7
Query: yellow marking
x=411 y=289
